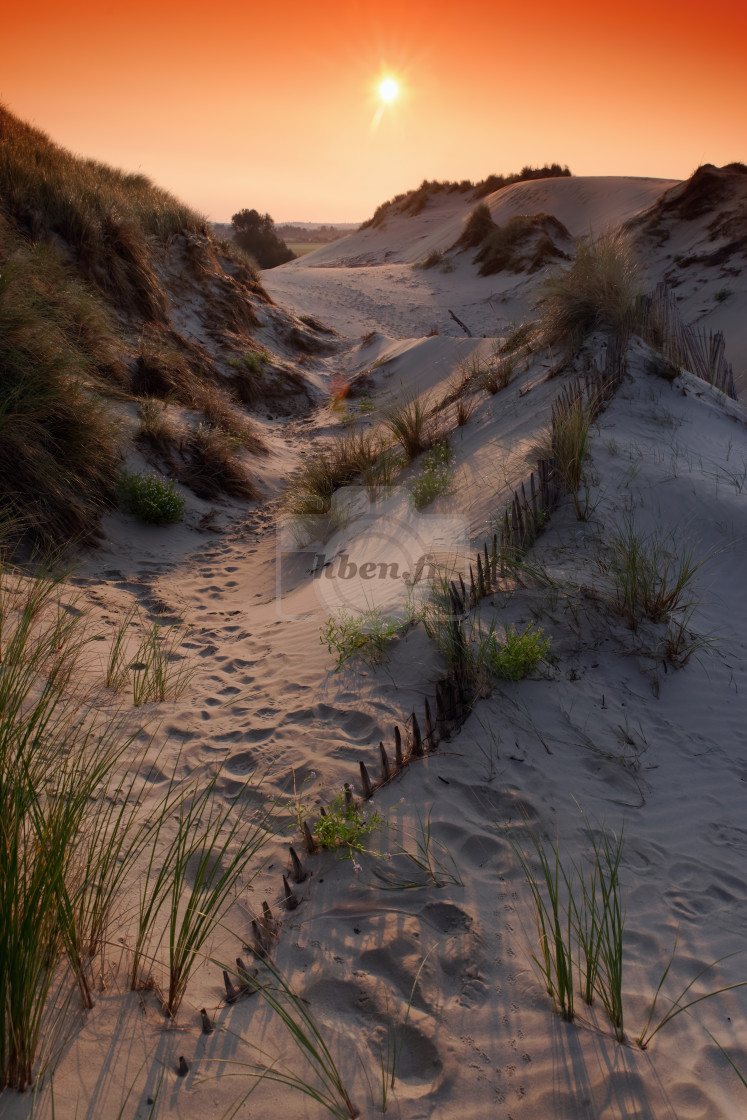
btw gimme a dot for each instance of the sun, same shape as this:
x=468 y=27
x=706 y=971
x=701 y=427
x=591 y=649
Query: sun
x=388 y=89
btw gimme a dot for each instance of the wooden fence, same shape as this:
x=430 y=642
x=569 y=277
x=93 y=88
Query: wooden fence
x=528 y=510
x=697 y=350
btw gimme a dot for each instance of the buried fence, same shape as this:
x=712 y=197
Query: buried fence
x=526 y=513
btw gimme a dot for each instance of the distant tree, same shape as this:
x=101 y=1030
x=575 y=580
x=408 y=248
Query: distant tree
x=256 y=234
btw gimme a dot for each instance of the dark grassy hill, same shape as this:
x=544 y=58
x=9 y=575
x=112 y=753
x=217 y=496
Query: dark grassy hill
x=113 y=291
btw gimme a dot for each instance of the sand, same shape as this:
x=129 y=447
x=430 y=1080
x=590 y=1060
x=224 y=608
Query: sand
x=606 y=732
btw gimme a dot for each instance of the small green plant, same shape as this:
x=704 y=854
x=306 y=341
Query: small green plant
x=346 y=826
x=430 y=864
x=362 y=637
x=554 y=923
x=158 y=672
x=677 y=1006
x=517 y=655
x=722 y=294
x=326 y=1086
x=652 y=575
x=436 y=476
x=153 y=499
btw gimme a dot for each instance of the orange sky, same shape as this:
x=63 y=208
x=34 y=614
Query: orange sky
x=272 y=105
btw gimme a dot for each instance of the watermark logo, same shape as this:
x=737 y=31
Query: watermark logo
x=363 y=555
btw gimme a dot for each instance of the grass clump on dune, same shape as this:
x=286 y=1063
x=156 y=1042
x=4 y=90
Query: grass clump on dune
x=599 y=290
x=412 y=425
x=356 y=454
x=105 y=216
x=58 y=444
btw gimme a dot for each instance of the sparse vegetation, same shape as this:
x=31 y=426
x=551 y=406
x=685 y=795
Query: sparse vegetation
x=158 y=671
x=360 y=637
x=436 y=476
x=525 y=243
x=434 y=258
x=413 y=202
x=570 y=440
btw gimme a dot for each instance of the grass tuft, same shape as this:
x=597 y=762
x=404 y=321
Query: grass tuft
x=598 y=290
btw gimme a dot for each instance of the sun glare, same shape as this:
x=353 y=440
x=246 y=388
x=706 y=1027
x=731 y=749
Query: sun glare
x=388 y=89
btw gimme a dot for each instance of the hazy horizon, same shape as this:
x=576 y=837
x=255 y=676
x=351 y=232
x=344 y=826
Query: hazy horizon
x=281 y=110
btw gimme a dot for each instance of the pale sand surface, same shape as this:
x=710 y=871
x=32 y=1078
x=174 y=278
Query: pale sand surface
x=607 y=730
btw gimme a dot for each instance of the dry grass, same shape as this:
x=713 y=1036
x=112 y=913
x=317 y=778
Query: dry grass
x=58 y=444
x=214 y=468
x=220 y=413
x=106 y=216
x=599 y=290
x=157 y=430
x=413 y=425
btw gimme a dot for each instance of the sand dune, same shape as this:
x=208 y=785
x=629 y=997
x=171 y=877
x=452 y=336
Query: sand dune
x=607 y=731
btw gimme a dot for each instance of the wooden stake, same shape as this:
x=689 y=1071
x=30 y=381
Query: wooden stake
x=417 y=742
x=399 y=758
x=291 y=902
x=366 y=782
x=430 y=739
x=308 y=839
x=440 y=711
x=232 y=994
x=297 y=871
x=385 y=771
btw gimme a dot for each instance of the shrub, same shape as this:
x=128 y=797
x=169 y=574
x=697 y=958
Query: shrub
x=153 y=499
x=517 y=655
x=599 y=289
x=255 y=234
